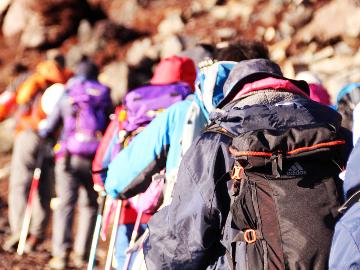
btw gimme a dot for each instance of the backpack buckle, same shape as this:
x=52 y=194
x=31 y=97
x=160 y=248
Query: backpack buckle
x=250 y=236
x=237 y=171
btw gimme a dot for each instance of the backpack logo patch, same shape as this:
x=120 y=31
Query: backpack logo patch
x=93 y=92
x=295 y=170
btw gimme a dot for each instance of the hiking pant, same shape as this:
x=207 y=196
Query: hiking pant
x=73 y=184
x=123 y=238
x=23 y=164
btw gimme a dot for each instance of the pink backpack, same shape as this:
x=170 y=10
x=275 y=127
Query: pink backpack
x=149 y=201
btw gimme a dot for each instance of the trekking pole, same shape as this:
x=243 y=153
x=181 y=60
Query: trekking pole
x=108 y=210
x=95 y=239
x=139 y=242
x=133 y=239
x=29 y=204
x=110 y=252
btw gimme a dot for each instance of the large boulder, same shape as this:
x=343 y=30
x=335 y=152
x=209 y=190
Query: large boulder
x=4 y=5
x=170 y=45
x=43 y=22
x=269 y=14
x=35 y=33
x=115 y=75
x=140 y=50
x=108 y=30
x=16 y=18
x=233 y=10
x=172 y=24
x=118 y=11
x=339 y=18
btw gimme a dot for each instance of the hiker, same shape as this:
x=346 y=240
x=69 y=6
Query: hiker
x=8 y=98
x=346 y=100
x=163 y=136
x=345 y=253
x=173 y=81
x=24 y=157
x=168 y=136
x=255 y=157
x=83 y=111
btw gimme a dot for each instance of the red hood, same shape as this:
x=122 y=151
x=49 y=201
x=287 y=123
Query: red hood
x=319 y=94
x=270 y=83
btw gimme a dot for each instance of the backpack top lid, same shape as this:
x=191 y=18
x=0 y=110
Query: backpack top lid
x=275 y=119
x=144 y=103
x=252 y=70
x=175 y=69
x=89 y=92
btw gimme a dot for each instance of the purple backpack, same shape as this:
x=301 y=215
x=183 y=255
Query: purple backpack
x=85 y=125
x=143 y=104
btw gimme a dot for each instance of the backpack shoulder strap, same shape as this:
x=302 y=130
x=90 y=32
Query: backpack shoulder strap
x=218 y=129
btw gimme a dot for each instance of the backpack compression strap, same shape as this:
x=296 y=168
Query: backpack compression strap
x=350 y=202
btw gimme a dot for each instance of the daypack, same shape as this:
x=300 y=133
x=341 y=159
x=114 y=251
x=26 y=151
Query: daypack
x=144 y=103
x=285 y=187
x=108 y=148
x=84 y=127
x=7 y=104
x=140 y=107
x=149 y=201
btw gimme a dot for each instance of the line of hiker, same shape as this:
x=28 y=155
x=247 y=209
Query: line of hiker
x=219 y=162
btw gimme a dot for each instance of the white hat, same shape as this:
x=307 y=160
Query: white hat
x=309 y=77
x=51 y=96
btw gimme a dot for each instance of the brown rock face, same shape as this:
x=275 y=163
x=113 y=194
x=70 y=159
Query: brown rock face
x=339 y=18
x=43 y=23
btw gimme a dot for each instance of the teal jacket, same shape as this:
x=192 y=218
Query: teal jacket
x=165 y=140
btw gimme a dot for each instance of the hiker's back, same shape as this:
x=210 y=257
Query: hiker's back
x=347 y=99
x=83 y=126
x=140 y=107
x=30 y=91
x=144 y=103
x=286 y=190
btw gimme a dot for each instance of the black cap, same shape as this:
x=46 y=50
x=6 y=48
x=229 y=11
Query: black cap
x=252 y=70
x=87 y=69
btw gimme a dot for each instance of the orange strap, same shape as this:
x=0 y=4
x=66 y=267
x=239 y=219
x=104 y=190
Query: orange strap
x=316 y=146
x=292 y=152
x=250 y=236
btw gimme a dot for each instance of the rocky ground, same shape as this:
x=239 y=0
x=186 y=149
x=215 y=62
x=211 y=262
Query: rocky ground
x=127 y=37
x=38 y=259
